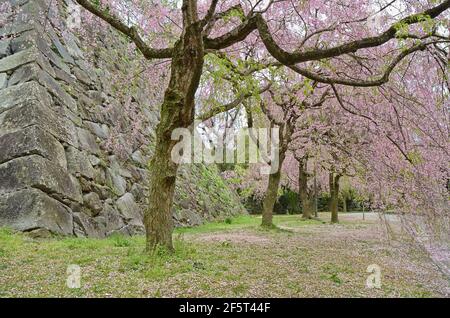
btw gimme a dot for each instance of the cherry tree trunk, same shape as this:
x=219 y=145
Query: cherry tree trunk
x=270 y=199
x=177 y=111
x=308 y=209
x=334 y=198
x=158 y=217
x=307 y=202
x=316 y=208
x=331 y=186
x=274 y=182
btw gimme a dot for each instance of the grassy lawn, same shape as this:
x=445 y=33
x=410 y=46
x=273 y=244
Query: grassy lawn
x=234 y=258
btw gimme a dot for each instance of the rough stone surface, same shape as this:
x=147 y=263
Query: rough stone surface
x=87 y=141
x=114 y=222
x=186 y=216
x=24 y=74
x=4 y=48
x=128 y=207
x=32 y=141
x=56 y=90
x=36 y=113
x=116 y=182
x=21 y=94
x=69 y=162
x=88 y=226
x=93 y=203
x=12 y=62
x=3 y=80
x=29 y=209
x=77 y=163
x=40 y=173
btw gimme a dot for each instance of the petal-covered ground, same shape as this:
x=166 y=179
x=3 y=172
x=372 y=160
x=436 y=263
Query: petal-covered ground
x=235 y=258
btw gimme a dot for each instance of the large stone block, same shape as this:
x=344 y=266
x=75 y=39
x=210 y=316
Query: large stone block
x=78 y=163
x=34 y=112
x=36 y=8
x=29 y=209
x=71 y=44
x=26 y=40
x=56 y=90
x=29 y=141
x=18 y=26
x=129 y=209
x=23 y=93
x=88 y=69
x=116 y=182
x=87 y=141
x=88 y=226
x=18 y=2
x=100 y=130
x=24 y=74
x=60 y=47
x=61 y=75
x=117 y=166
x=37 y=172
x=112 y=218
x=93 y=203
x=186 y=216
x=14 y=61
x=138 y=158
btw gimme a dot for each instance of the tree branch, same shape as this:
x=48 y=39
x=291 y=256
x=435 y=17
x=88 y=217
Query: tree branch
x=210 y=14
x=131 y=32
x=224 y=108
x=236 y=35
x=341 y=103
x=351 y=47
x=361 y=83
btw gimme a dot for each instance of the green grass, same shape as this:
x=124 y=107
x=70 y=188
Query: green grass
x=239 y=222
x=247 y=222
x=232 y=258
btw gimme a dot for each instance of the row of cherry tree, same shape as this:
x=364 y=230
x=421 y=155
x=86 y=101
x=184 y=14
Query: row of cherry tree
x=357 y=88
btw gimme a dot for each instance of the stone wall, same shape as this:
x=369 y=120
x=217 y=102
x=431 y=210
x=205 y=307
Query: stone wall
x=58 y=171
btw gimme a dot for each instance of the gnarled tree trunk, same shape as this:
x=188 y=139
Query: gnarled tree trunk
x=177 y=111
